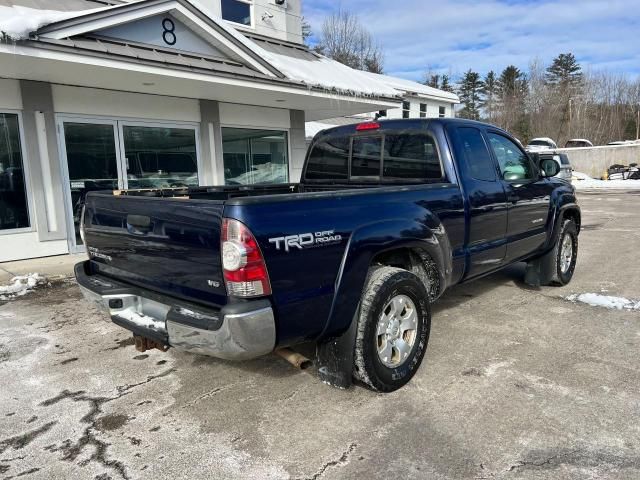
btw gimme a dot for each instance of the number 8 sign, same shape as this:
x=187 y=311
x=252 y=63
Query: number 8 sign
x=169 y=33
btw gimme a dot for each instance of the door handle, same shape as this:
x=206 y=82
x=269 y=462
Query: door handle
x=513 y=198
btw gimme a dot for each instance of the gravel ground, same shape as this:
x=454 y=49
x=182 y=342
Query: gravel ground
x=517 y=383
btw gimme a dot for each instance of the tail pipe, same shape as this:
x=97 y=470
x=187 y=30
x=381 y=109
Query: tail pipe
x=294 y=358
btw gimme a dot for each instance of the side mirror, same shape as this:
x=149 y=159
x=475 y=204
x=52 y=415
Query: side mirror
x=549 y=168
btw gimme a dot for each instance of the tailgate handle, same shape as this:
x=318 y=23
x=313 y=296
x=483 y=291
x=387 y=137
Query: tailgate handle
x=139 y=224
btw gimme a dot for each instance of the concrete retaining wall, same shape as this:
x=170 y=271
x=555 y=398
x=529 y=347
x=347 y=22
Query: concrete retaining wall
x=595 y=160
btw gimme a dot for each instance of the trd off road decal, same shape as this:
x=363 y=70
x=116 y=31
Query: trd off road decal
x=306 y=240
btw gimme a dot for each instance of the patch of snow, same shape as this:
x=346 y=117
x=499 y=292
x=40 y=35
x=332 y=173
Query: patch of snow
x=582 y=181
x=21 y=285
x=315 y=71
x=327 y=73
x=313 y=128
x=18 y=22
x=605 y=301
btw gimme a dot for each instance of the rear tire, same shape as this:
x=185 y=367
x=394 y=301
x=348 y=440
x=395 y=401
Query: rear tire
x=394 y=322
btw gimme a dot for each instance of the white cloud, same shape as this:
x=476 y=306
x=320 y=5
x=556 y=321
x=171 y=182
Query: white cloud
x=455 y=35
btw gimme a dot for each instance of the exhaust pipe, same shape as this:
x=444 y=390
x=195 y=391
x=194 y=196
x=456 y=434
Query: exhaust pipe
x=294 y=358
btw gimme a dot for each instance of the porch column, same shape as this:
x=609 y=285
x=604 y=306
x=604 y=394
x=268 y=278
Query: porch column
x=298 y=145
x=211 y=143
x=43 y=160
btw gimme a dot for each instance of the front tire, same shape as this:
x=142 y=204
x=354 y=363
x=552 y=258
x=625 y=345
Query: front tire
x=566 y=253
x=393 y=329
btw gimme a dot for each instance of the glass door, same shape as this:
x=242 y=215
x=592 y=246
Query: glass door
x=92 y=159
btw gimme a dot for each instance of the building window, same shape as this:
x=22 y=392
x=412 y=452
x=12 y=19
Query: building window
x=442 y=112
x=237 y=11
x=14 y=210
x=254 y=156
x=423 y=110
x=160 y=157
x=406 y=109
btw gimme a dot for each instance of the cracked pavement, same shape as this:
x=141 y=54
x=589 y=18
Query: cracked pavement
x=518 y=383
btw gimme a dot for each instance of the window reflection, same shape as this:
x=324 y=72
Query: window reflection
x=159 y=157
x=14 y=212
x=254 y=156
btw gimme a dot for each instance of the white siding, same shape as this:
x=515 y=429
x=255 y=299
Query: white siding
x=10 y=97
x=433 y=109
x=108 y=103
x=283 y=22
x=19 y=246
x=232 y=114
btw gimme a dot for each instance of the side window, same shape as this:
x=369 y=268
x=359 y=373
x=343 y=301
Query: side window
x=477 y=156
x=406 y=109
x=329 y=159
x=514 y=163
x=411 y=157
x=365 y=158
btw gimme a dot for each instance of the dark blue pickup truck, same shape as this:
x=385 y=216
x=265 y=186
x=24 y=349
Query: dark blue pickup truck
x=386 y=217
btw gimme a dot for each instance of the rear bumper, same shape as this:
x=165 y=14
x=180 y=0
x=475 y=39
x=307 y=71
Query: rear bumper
x=235 y=332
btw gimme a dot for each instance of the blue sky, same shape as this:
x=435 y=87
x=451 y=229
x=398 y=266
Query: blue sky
x=451 y=36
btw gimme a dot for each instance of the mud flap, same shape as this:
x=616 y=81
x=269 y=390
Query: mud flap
x=542 y=270
x=334 y=357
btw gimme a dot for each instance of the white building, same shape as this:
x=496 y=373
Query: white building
x=418 y=101
x=103 y=94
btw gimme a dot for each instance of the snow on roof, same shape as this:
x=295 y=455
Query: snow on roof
x=18 y=22
x=313 y=128
x=409 y=86
x=296 y=64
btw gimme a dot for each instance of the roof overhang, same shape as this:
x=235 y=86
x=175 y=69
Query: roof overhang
x=25 y=61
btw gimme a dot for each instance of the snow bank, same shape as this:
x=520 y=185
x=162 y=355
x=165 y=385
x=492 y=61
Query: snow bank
x=583 y=181
x=21 y=285
x=606 y=301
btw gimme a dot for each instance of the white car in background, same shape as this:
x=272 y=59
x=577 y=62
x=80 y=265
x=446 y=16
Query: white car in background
x=542 y=143
x=578 y=143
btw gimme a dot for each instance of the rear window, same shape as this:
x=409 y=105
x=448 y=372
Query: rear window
x=328 y=159
x=365 y=157
x=405 y=157
x=411 y=157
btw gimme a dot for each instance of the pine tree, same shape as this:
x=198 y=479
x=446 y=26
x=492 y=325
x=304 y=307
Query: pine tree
x=489 y=94
x=564 y=76
x=564 y=71
x=512 y=95
x=446 y=84
x=469 y=91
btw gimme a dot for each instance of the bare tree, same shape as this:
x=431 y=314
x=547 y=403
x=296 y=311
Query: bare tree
x=345 y=39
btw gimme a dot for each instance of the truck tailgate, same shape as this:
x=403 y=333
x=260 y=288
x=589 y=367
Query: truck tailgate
x=170 y=245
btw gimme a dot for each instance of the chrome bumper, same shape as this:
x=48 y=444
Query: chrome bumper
x=240 y=336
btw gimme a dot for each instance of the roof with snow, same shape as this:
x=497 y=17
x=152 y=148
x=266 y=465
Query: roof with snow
x=72 y=27
x=409 y=87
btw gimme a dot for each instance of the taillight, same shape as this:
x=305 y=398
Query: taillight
x=245 y=272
